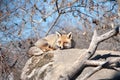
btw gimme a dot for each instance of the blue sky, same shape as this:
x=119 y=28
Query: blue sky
x=20 y=17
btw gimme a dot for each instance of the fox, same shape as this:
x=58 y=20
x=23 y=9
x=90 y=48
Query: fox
x=55 y=41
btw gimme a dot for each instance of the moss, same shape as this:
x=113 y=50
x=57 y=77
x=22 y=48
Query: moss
x=39 y=61
x=46 y=59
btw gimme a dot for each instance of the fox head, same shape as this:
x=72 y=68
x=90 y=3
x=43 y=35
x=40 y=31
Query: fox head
x=64 y=41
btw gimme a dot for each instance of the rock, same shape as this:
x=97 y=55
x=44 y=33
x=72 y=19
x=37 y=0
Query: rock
x=34 y=51
x=49 y=65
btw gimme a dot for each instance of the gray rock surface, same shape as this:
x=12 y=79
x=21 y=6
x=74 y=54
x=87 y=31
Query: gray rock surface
x=48 y=66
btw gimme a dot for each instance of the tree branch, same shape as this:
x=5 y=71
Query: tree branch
x=79 y=65
x=94 y=71
x=53 y=24
x=97 y=63
x=100 y=64
x=56 y=2
x=110 y=33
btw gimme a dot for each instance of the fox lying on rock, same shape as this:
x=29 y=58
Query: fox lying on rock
x=55 y=41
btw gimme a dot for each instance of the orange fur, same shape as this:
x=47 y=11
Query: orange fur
x=55 y=41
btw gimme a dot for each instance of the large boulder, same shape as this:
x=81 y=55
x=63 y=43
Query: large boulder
x=49 y=65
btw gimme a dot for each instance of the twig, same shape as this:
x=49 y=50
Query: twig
x=56 y=2
x=53 y=24
x=14 y=63
x=94 y=71
x=113 y=6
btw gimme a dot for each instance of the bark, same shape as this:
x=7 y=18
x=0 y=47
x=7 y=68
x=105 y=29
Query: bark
x=94 y=71
x=111 y=63
x=100 y=65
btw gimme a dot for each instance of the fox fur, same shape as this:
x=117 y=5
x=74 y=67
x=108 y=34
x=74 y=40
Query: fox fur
x=55 y=41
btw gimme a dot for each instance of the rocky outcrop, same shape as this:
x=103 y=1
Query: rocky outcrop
x=49 y=65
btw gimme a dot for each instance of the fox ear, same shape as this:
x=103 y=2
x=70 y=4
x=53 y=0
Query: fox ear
x=69 y=35
x=58 y=34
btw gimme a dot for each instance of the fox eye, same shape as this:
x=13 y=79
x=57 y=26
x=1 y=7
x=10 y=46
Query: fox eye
x=65 y=42
x=49 y=46
x=59 y=42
